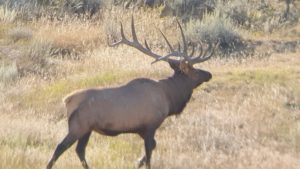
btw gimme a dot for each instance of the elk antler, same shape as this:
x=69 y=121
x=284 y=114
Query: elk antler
x=136 y=44
x=190 y=59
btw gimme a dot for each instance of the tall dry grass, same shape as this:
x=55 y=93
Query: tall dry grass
x=231 y=122
x=247 y=116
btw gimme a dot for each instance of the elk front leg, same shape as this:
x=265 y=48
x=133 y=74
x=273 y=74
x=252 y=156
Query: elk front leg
x=141 y=161
x=150 y=144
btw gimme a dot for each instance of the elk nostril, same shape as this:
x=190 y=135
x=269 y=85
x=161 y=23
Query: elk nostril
x=209 y=76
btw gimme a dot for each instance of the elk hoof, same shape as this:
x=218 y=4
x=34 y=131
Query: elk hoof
x=141 y=162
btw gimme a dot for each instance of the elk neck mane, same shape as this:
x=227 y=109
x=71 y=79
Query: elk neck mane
x=178 y=89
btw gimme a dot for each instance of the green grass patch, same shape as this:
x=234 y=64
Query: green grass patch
x=64 y=86
x=258 y=76
x=56 y=91
x=4 y=28
x=109 y=151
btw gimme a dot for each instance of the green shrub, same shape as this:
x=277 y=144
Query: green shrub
x=236 y=10
x=212 y=28
x=185 y=9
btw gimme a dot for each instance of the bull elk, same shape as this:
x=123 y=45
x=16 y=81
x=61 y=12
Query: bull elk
x=140 y=106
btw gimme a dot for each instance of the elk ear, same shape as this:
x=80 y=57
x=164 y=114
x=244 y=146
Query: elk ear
x=175 y=66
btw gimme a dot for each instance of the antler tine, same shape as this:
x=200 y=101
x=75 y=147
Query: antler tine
x=193 y=50
x=123 y=38
x=200 y=54
x=203 y=58
x=134 y=37
x=147 y=46
x=122 y=31
x=168 y=43
x=208 y=49
x=183 y=38
x=184 y=53
x=146 y=50
x=165 y=57
x=201 y=49
x=179 y=47
x=173 y=52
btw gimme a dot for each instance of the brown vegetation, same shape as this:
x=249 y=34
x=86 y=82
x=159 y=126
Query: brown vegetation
x=247 y=116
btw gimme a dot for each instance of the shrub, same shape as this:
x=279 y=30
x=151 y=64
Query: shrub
x=8 y=73
x=39 y=49
x=35 y=59
x=82 y=7
x=24 y=9
x=214 y=27
x=7 y=15
x=185 y=9
x=19 y=33
x=236 y=10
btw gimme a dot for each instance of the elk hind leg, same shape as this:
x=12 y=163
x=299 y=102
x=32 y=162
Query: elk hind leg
x=67 y=142
x=80 y=149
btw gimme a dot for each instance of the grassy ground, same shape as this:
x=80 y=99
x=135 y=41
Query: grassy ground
x=247 y=116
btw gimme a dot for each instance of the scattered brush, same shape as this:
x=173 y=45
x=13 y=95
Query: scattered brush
x=215 y=27
x=71 y=37
x=35 y=59
x=7 y=15
x=8 y=73
x=20 y=33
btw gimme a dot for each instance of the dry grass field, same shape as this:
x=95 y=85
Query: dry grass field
x=246 y=117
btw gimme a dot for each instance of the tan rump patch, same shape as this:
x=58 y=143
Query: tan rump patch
x=73 y=101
